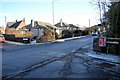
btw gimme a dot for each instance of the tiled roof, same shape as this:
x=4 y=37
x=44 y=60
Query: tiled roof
x=10 y=24
x=73 y=26
x=46 y=25
x=15 y=25
x=27 y=26
x=64 y=24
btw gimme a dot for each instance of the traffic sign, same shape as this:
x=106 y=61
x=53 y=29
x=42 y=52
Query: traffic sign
x=102 y=42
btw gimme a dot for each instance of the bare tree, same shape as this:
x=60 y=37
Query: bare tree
x=102 y=7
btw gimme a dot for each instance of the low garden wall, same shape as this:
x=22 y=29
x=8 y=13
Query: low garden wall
x=13 y=38
x=109 y=45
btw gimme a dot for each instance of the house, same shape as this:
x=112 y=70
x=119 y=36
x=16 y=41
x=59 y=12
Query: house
x=16 y=25
x=37 y=28
x=92 y=29
x=66 y=26
x=27 y=27
x=62 y=25
x=2 y=31
x=15 y=28
x=43 y=25
x=7 y=27
x=73 y=27
x=96 y=28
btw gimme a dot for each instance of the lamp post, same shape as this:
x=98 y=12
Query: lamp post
x=53 y=9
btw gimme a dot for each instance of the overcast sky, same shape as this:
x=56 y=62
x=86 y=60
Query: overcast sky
x=70 y=11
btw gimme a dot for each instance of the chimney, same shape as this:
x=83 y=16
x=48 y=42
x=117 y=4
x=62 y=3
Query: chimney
x=16 y=21
x=5 y=21
x=23 y=19
x=61 y=22
x=32 y=23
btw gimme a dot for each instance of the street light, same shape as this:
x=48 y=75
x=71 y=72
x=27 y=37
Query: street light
x=53 y=9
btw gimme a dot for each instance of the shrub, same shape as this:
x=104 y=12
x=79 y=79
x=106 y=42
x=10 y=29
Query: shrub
x=67 y=33
x=58 y=36
x=49 y=35
x=77 y=33
x=85 y=32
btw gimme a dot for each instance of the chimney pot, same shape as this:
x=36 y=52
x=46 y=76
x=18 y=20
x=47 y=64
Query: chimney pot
x=23 y=19
x=32 y=23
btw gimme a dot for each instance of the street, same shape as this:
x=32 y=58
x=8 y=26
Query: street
x=56 y=60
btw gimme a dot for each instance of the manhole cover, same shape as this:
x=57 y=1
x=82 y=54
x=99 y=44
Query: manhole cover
x=106 y=65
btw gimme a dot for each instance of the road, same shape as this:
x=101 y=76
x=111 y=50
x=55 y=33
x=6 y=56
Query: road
x=55 y=60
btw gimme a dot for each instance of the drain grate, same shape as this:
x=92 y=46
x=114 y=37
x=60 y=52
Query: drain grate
x=108 y=65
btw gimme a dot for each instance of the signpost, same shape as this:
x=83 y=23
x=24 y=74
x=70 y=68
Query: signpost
x=102 y=42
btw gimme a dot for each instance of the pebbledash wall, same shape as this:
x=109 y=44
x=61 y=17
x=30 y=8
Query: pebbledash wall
x=112 y=45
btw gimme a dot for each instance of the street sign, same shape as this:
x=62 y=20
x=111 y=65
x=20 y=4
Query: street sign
x=102 y=42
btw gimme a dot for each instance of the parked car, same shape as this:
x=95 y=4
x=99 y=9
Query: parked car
x=2 y=38
x=94 y=34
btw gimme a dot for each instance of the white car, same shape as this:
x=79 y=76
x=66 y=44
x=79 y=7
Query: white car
x=94 y=34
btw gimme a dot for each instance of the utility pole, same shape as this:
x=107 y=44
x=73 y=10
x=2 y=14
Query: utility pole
x=53 y=10
x=89 y=22
x=5 y=22
x=53 y=14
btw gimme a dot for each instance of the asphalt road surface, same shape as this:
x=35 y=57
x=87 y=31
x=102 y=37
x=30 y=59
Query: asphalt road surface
x=55 y=60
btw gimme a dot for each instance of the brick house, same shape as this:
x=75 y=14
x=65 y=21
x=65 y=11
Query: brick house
x=15 y=28
x=2 y=31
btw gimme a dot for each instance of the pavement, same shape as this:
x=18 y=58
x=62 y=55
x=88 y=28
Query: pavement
x=34 y=42
x=106 y=56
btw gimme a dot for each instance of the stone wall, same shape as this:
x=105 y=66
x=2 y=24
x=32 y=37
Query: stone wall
x=112 y=46
x=13 y=38
x=19 y=33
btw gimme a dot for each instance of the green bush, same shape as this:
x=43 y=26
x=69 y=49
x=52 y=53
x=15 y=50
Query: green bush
x=49 y=35
x=67 y=33
x=58 y=36
x=77 y=33
x=85 y=32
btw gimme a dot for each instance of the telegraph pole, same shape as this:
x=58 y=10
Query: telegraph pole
x=5 y=22
x=53 y=14
x=89 y=22
x=53 y=10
